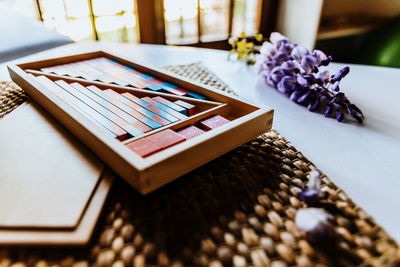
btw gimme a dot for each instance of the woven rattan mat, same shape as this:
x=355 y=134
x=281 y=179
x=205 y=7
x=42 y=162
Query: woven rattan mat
x=236 y=210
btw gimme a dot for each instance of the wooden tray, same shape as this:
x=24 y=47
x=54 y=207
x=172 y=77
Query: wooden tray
x=147 y=174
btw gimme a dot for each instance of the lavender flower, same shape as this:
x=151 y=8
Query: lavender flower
x=296 y=72
x=311 y=192
x=316 y=223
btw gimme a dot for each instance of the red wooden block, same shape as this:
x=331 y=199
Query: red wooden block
x=213 y=122
x=189 y=107
x=143 y=147
x=149 y=100
x=160 y=120
x=178 y=91
x=154 y=81
x=190 y=132
x=166 y=138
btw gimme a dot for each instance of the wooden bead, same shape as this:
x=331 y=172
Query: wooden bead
x=230 y=239
x=285 y=252
x=260 y=211
x=107 y=237
x=243 y=249
x=162 y=259
x=127 y=254
x=278 y=264
x=139 y=261
x=267 y=244
x=288 y=239
x=271 y=230
x=127 y=231
x=275 y=219
x=259 y=258
x=304 y=261
x=208 y=246
x=225 y=254
x=105 y=258
x=306 y=248
x=249 y=236
x=117 y=224
x=239 y=261
x=118 y=244
x=264 y=200
x=118 y=263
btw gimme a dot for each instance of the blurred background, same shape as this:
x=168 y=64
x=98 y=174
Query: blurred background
x=356 y=31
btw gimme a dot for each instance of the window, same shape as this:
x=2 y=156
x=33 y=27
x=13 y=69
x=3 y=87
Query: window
x=163 y=21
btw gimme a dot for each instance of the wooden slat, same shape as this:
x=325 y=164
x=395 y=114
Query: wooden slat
x=151 y=21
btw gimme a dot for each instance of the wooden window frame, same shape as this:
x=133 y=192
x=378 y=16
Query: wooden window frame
x=151 y=22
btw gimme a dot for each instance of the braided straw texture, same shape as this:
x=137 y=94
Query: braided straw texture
x=237 y=210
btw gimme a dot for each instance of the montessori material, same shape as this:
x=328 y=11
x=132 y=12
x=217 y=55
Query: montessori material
x=53 y=187
x=149 y=126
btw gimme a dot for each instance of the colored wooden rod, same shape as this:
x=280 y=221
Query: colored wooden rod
x=106 y=124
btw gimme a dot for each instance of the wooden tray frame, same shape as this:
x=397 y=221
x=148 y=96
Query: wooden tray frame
x=148 y=174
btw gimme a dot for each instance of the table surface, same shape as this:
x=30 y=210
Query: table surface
x=360 y=159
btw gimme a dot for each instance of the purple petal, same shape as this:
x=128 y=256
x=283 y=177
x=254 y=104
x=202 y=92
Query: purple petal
x=328 y=111
x=276 y=75
x=356 y=108
x=275 y=37
x=307 y=63
x=304 y=99
x=316 y=222
x=299 y=52
x=339 y=116
x=289 y=65
x=268 y=49
x=295 y=95
x=303 y=81
x=340 y=74
x=319 y=55
x=323 y=76
x=326 y=61
x=313 y=105
x=286 y=85
x=336 y=87
x=281 y=56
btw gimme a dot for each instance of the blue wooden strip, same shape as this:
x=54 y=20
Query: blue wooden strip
x=196 y=95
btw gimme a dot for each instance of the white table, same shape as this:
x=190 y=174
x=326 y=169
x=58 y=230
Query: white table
x=362 y=160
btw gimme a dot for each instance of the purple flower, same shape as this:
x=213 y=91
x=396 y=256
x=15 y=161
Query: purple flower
x=328 y=110
x=275 y=37
x=308 y=63
x=275 y=76
x=295 y=95
x=294 y=71
x=316 y=223
x=323 y=76
x=287 y=84
x=336 y=87
x=311 y=192
x=340 y=74
x=299 y=52
x=303 y=81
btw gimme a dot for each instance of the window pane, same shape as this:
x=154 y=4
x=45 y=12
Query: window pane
x=26 y=8
x=181 y=21
x=246 y=16
x=214 y=19
x=68 y=17
x=115 y=20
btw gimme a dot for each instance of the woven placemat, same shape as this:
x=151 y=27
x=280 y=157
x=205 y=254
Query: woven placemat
x=237 y=210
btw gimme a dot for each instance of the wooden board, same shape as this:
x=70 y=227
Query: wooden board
x=79 y=236
x=46 y=176
x=149 y=173
x=52 y=188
